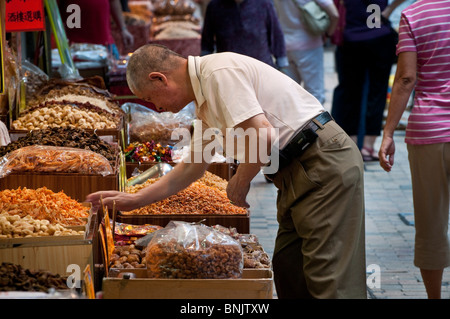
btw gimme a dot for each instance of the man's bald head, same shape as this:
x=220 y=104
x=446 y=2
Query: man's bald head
x=150 y=58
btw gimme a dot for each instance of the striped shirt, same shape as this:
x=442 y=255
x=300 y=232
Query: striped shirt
x=425 y=29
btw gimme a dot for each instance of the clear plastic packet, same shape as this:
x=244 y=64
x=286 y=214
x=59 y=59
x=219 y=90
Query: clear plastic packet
x=185 y=251
x=54 y=159
x=147 y=125
x=10 y=98
x=33 y=77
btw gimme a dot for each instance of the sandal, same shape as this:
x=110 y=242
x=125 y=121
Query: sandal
x=369 y=155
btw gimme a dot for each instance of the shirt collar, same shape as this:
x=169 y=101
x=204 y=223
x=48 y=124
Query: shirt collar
x=194 y=74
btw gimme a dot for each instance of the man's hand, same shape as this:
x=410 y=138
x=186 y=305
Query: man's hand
x=237 y=192
x=123 y=201
x=386 y=153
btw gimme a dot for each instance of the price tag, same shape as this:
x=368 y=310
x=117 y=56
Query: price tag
x=88 y=284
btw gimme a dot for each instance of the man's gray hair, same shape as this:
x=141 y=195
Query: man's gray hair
x=149 y=58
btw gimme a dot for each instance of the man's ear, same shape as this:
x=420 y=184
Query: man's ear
x=157 y=76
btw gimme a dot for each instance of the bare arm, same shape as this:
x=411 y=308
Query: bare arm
x=390 y=8
x=405 y=79
x=239 y=184
x=178 y=179
x=117 y=15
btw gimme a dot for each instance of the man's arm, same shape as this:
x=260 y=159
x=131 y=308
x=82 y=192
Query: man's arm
x=239 y=184
x=178 y=179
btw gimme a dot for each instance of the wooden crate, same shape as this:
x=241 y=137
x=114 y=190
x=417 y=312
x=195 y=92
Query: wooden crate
x=240 y=222
x=254 y=284
x=53 y=253
x=223 y=170
x=77 y=186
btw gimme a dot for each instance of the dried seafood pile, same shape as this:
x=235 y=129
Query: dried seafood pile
x=43 y=203
x=205 y=196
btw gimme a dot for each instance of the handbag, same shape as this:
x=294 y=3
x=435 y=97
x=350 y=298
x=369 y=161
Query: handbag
x=337 y=37
x=314 y=18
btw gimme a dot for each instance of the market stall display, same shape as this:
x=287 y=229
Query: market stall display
x=14 y=277
x=54 y=114
x=80 y=116
x=146 y=125
x=189 y=259
x=83 y=96
x=148 y=152
x=84 y=104
x=43 y=203
x=64 y=137
x=254 y=254
x=14 y=226
x=60 y=150
x=184 y=250
x=204 y=200
x=203 y=197
x=128 y=257
x=127 y=234
x=54 y=159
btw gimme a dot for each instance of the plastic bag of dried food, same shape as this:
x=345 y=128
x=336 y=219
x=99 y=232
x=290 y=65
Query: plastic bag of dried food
x=33 y=77
x=11 y=75
x=54 y=159
x=146 y=125
x=185 y=250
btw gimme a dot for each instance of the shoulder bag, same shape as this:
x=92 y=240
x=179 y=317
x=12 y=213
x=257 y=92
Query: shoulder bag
x=314 y=18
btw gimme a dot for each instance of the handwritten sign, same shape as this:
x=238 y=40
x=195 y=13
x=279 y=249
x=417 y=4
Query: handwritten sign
x=24 y=15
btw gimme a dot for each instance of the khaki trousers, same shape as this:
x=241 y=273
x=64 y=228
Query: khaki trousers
x=430 y=176
x=320 y=245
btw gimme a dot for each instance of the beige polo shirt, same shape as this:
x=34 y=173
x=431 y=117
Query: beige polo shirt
x=231 y=88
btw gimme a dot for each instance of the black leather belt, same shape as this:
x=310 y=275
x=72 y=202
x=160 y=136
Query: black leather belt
x=301 y=140
x=323 y=118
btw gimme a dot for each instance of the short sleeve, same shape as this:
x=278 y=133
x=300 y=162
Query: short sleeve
x=406 y=42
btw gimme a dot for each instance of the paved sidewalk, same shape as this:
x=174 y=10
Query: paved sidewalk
x=389 y=220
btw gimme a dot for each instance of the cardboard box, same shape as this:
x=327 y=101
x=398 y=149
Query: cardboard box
x=254 y=284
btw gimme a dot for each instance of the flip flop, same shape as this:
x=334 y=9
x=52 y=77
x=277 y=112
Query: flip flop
x=369 y=155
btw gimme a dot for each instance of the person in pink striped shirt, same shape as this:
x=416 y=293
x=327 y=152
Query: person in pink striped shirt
x=424 y=65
